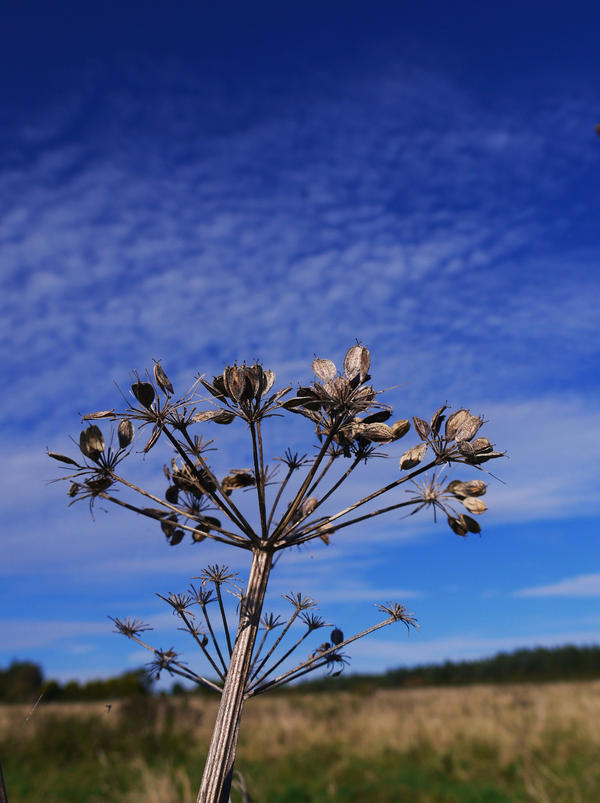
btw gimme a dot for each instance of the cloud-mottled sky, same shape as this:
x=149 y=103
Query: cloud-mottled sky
x=202 y=186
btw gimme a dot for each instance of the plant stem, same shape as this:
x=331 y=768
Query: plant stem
x=218 y=771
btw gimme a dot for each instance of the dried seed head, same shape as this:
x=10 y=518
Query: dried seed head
x=400 y=428
x=91 y=442
x=143 y=392
x=198 y=536
x=73 y=489
x=162 y=380
x=125 y=433
x=357 y=363
x=98 y=484
x=454 y=421
x=413 y=457
x=474 y=505
x=324 y=369
x=336 y=636
x=422 y=427
x=468 y=428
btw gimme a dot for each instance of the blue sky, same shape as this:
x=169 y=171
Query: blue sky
x=203 y=185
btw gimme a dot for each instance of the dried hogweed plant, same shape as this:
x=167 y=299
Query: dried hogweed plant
x=351 y=426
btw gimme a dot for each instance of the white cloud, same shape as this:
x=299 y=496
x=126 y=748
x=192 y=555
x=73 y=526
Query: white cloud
x=583 y=585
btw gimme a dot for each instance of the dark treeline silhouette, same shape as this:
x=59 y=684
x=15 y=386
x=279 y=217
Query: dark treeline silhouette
x=538 y=665
x=23 y=681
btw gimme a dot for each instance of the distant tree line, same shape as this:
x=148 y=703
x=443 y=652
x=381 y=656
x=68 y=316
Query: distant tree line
x=538 y=665
x=23 y=681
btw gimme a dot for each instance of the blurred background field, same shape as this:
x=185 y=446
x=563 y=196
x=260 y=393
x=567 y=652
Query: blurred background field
x=492 y=743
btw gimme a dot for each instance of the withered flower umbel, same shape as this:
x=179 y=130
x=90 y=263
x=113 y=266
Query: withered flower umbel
x=297 y=500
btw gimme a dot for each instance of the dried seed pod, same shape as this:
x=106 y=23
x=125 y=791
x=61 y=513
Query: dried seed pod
x=217 y=389
x=162 y=380
x=91 y=442
x=466 y=448
x=325 y=534
x=482 y=445
x=167 y=525
x=153 y=512
x=236 y=383
x=172 y=494
x=454 y=421
x=400 y=428
x=437 y=419
x=73 y=489
x=176 y=538
x=238 y=478
x=308 y=506
x=144 y=393
x=101 y=414
x=205 y=415
x=357 y=362
x=336 y=636
x=223 y=417
x=125 y=433
x=468 y=428
x=253 y=375
x=464 y=489
x=422 y=427
x=471 y=525
x=413 y=457
x=377 y=418
x=152 y=439
x=484 y=457
x=474 y=505
x=63 y=458
x=324 y=369
x=378 y=433
x=98 y=484
x=198 y=536
x=458 y=525
x=268 y=381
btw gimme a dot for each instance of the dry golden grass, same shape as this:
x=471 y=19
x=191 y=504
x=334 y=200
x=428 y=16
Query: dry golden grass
x=509 y=717
x=518 y=722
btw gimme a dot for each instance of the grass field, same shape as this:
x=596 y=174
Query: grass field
x=477 y=743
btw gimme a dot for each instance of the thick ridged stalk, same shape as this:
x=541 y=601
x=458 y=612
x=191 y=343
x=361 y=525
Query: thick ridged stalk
x=218 y=772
